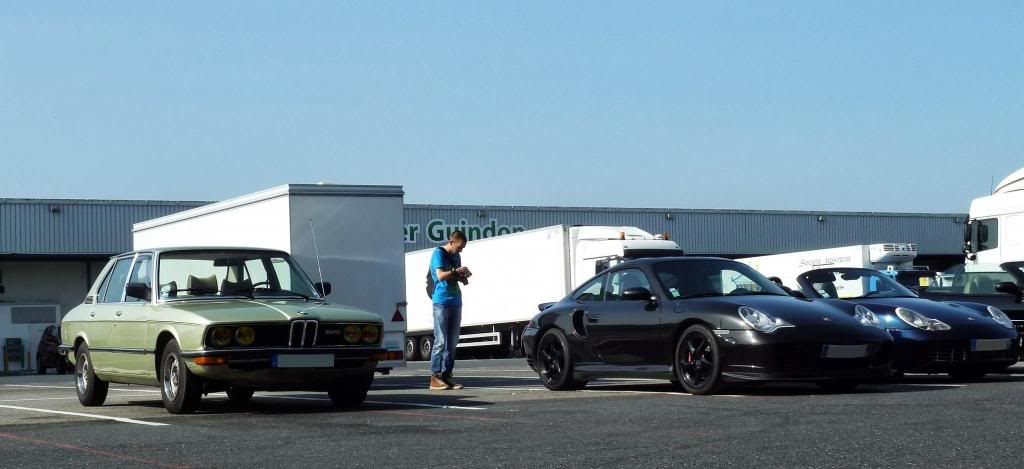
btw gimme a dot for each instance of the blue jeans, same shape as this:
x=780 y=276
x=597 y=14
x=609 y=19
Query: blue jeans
x=447 y=320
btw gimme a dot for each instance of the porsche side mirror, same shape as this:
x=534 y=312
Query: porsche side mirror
x=1011 y=288
x=324 y=288
x=137 y=290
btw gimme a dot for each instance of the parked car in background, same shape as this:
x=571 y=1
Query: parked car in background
x=966 y=340
x=702 y=322
x=987 y=284
x=194 y=321
x=48 y=352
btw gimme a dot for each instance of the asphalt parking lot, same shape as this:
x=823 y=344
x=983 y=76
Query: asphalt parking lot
x=505 y=418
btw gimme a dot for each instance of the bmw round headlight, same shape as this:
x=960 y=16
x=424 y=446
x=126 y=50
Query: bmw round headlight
x=915 y=319
x=866 y=316
x=759 y=320
x=999 y=316
x=352 y=333
x=371 y=334
x=220 y=336
x=245 y=336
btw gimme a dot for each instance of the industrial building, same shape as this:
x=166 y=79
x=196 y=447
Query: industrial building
x=52 y=249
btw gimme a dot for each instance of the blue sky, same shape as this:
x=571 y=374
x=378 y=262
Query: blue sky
x=875 y=106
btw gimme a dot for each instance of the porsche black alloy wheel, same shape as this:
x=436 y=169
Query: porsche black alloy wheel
x=554 y=362
x=697 y=365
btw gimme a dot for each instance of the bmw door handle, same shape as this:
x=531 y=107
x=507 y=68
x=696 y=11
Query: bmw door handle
x=117 y=313
x=92 y=314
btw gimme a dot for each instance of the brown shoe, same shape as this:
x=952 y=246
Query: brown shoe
x=438 y=384
x=447 y=379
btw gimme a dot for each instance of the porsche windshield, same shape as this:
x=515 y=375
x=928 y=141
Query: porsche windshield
x=848 y=284
x=218 y=273
x=712 y=277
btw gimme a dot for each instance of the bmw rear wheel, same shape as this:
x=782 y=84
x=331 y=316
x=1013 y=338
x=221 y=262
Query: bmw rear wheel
x=91 y=390
x=180 y=390
x=698 y=367
x=554 y=362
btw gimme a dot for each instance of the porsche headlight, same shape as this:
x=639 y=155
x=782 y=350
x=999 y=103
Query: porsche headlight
x=866 y=316
x=761 y=321
x=220 y=336
x=371 y=334
x=999 y=316
x=245 y=336
x=917 y=320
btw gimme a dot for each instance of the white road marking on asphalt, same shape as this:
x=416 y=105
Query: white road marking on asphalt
x=79 y=414
x=412 y=404
x=66 y=398
x=72 y=387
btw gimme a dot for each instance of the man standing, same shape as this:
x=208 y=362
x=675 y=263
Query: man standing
x=447 y=272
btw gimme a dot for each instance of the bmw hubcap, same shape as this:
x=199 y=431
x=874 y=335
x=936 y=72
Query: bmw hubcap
x=171 y=377
x=82 y=374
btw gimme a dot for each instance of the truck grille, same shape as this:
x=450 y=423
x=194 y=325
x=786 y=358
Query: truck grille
x=303 y=333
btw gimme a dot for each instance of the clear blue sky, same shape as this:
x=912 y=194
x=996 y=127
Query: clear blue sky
x=883 y=106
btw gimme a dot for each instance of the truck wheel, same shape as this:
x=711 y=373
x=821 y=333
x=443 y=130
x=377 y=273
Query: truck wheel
x=351 y=392
x=180 y=390
x=410 y=349
x=91 y=390
x=426 y=346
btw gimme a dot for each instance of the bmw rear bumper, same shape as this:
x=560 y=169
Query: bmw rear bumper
x=803 y=354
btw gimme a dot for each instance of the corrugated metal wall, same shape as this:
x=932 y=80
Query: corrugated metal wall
x=84 y=227
x=723 y=232
x=88 y=227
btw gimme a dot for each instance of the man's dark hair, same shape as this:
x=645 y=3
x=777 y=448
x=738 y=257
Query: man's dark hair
x=457 y=236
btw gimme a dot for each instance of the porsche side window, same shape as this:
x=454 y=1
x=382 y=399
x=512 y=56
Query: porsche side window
x=593 y=291
x=623 y=280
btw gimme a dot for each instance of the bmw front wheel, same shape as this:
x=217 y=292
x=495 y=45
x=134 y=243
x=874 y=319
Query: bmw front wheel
x=180 y=390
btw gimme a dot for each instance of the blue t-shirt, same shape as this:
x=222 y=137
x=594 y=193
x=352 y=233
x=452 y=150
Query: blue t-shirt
x=446 y=292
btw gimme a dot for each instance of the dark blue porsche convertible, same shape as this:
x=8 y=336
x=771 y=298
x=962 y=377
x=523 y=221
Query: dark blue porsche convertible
x=966 y=340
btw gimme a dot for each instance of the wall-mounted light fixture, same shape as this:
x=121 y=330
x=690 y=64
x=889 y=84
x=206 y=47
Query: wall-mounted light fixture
x=55 y=209
x=822 y=218
x=668 y=215
x=481 y=213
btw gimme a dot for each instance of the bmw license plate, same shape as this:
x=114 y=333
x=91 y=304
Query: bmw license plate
x=321 y=360
x=989 y=345
x=844 y=351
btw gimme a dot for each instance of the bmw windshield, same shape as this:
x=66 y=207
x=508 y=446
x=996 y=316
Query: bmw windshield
x=698 y=278
x=852 y=284
x=209 y=274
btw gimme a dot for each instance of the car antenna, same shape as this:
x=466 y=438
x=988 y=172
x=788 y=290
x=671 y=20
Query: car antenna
x=316 y=251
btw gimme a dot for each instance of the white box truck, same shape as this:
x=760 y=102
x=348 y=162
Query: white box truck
x=515 y=273
x=995 y=227
x=895 y=259
x=358 y=233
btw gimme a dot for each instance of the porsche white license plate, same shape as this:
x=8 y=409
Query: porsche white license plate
x=321 y=360
x=989 y=345
x=844 y=351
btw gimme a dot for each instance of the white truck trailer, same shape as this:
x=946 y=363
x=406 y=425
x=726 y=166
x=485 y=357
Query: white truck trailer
x=891 y=258
x=358 y=233
x=513 y=274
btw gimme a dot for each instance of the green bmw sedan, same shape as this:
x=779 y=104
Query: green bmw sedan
x=194 y=321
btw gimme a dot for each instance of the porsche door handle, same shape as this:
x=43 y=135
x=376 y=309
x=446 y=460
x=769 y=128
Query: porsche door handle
x=593 y=318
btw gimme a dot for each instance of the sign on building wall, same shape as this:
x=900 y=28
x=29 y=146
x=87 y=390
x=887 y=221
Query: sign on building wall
x=437 y=230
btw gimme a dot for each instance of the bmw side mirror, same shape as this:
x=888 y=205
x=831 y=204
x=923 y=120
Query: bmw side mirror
x=324 y=288
x=137 y=290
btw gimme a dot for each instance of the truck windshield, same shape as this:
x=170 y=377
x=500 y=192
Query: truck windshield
x=848 y=284
x=210 y=274
x=695 y=278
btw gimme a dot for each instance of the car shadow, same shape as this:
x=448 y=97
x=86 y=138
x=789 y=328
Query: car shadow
x=312 y=403
x=779 y=389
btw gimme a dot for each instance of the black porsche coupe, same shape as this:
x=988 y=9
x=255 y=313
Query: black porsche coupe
x=701 y=323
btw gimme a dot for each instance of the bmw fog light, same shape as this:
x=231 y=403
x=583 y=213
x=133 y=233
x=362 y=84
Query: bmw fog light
x=353 y=333
x=245 y=336
x=371 y=334
x=220 y=336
